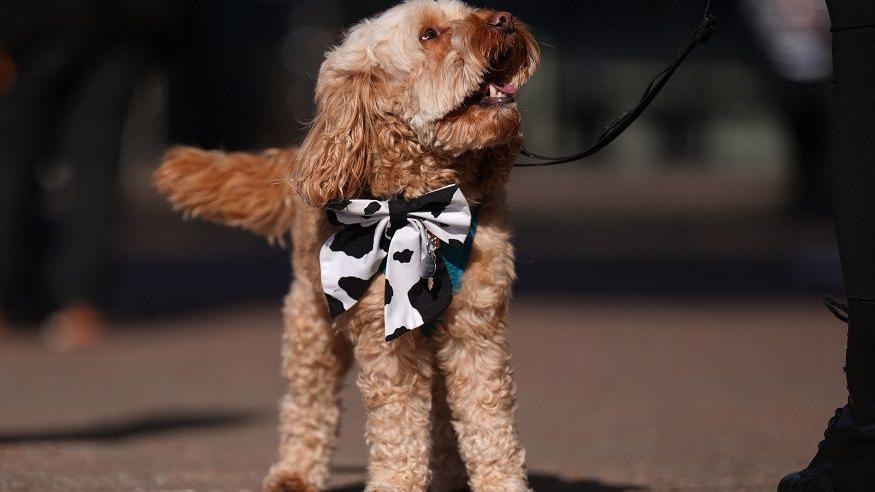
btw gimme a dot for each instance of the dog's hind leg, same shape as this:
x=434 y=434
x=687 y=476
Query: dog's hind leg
x=447 y=468
x=315 y=360
x=395 y=382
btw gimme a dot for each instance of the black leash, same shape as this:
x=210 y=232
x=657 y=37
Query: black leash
x=838 y=309
x=700 y=36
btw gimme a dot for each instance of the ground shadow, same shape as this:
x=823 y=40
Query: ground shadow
x=158 y=423
x=550 y=483
x=544 y=483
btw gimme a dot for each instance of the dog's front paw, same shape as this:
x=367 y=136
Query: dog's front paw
x=283 y=480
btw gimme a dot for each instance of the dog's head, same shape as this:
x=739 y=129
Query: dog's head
x=425 y=81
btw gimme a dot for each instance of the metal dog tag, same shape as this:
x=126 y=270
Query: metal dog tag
x=429 y=266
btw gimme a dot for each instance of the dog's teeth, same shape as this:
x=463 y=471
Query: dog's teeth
x=493 y=91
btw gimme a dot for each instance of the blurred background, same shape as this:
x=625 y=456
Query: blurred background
x=707 y=222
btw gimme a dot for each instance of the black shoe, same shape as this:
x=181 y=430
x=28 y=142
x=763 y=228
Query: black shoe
x=845 y=460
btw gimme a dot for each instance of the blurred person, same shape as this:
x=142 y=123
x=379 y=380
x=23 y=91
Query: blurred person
x=218 y=71
x=845 y=460
x=794 y=37
x=70 y=69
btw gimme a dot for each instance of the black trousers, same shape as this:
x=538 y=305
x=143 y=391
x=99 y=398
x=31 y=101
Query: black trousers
x=852 y=145
x=69 y=101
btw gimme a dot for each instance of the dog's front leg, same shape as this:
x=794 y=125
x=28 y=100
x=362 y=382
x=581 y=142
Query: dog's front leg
x=315 y=358
x=447 y=468
x=472 y=352
x=395 y=380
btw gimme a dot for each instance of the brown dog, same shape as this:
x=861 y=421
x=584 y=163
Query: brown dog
x=414 y=99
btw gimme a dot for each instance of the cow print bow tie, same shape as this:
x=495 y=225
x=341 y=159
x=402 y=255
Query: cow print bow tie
x=405 y=236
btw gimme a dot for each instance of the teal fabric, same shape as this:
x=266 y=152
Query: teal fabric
x=456 y=259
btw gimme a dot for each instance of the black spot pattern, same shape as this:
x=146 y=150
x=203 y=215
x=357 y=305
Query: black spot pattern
x=432 y=303
x=354 y=240
x=389 y=292
x=332 y=218
x=355 y=287
x=439 y=200
x=403 y=256
x=335 y=307
x=372 y=208
x=429 y=329
x=338 y=205
x=397 y=333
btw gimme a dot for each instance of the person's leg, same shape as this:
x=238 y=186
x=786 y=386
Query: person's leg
x=90 y=139
x=846 y=458
x=805 y=108
x=853 y=188
x=26 y=114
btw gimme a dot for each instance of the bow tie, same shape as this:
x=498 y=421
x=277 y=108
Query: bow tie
x=405 y=236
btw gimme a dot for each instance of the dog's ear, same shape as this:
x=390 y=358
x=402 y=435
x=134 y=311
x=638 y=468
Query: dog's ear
x=334 y=160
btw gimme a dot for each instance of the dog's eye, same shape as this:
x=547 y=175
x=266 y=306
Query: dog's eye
x=428 y=35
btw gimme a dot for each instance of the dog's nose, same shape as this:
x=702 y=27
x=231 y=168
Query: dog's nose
x=502 y=21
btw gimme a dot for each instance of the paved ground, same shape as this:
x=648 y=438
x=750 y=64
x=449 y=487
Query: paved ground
x=615 y=396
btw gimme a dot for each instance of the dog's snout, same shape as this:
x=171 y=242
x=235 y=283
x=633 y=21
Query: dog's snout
x=502 y=21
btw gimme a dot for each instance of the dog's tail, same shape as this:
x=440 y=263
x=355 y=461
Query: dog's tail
x=250 y=191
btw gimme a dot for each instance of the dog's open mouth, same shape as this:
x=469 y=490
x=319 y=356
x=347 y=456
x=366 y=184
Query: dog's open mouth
x=496 y=89
x=491 y=94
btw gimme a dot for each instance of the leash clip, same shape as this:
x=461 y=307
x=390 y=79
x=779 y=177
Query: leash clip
x=709 y=25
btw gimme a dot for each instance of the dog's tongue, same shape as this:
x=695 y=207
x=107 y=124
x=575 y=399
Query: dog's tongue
x=509 y=89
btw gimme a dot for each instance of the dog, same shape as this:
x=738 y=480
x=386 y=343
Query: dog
x=414 y=99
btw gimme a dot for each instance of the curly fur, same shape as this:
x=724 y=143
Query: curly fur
x=391 y=120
